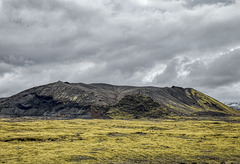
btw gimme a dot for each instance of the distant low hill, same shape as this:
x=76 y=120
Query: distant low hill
x=234 y=105
x=78 y=100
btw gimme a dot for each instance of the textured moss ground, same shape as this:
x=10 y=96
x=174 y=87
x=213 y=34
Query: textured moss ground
x=172 y=140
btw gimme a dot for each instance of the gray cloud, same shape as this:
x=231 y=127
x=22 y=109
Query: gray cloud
x=194 y=3
x=224 y=71
x=4 y=68
x=221 y=75
x=134 y=42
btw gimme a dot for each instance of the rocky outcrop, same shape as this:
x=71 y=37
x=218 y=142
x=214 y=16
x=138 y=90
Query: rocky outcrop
x=78 y=100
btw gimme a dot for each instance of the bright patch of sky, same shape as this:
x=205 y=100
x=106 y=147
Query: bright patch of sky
x=152 y=73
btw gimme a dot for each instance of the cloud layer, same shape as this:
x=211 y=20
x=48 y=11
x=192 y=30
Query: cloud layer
x=190 y=43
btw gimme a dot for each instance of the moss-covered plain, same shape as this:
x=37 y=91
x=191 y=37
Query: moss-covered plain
x=171 y=140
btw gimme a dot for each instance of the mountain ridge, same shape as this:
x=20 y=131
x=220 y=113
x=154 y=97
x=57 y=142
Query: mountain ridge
x=99 y=100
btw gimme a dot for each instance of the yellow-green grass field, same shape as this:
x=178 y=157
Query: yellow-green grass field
x=170 y=140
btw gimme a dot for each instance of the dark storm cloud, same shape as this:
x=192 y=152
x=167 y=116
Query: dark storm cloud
x=42 y=31
x=224 y=71
x=194 y=3
x=221 y=76
x=137 y=42
x=4 y=68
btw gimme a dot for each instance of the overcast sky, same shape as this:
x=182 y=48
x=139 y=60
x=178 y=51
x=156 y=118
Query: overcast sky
x=188 y=43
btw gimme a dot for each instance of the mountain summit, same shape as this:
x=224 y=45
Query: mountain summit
x=79 y=100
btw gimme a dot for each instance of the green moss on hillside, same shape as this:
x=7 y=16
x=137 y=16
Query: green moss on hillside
x=137 y=106
x=210 y=104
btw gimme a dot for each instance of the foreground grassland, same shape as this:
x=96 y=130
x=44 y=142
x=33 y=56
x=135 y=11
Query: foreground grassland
x=172 y=140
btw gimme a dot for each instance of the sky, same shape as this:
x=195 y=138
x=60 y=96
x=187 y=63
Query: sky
x=187 y=43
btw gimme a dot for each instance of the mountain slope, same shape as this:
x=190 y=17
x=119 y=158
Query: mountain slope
x=78 y=100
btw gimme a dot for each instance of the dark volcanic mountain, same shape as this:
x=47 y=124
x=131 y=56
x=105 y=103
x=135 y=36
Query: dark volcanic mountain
x=78 y=100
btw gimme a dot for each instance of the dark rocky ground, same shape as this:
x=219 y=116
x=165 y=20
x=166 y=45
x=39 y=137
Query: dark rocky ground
x=78 y=100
